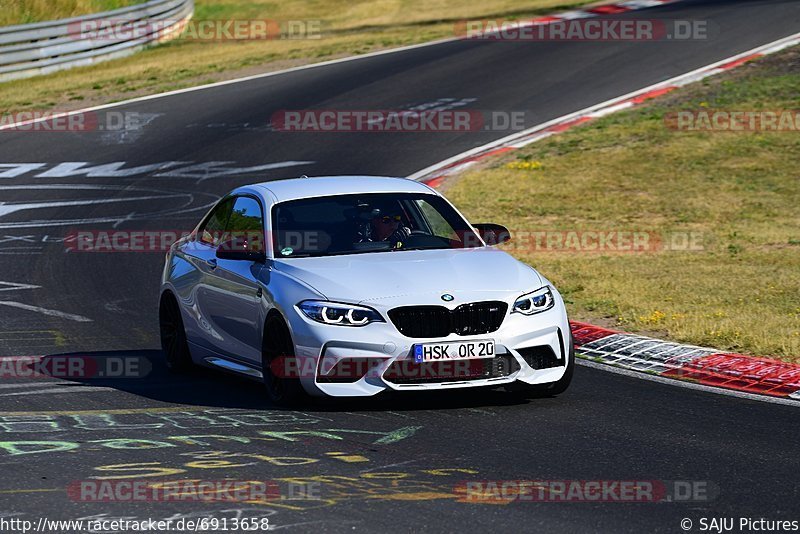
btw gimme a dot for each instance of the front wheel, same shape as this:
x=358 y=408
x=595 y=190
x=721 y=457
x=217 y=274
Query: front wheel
x=173 y=335
x=277 y=362
x=550 y=389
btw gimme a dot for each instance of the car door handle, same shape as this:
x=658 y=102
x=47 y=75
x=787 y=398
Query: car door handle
x=212 y=262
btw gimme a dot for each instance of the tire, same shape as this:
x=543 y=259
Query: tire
x=550 y=389
x=173 y=335
x=281 y=390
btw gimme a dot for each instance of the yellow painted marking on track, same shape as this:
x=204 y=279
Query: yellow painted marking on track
x=349 y=458
x=53 y=332
x=122 y=411
x=417 y=496
x=352 y=459
x=56 y=336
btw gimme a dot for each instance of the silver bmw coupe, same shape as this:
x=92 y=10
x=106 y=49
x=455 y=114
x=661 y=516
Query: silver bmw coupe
x=353 y=285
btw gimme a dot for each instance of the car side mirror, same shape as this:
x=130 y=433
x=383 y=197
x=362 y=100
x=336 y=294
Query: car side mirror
x=492 y=234
x=240 y=249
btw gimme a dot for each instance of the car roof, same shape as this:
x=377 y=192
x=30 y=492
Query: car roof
x=295 y=188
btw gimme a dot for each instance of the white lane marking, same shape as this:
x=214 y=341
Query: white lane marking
x=575 y=14
x=611 y=109
x=204 y=171
x=114 y=169
x=37 y=243
x=12 y=170
x=689 y=385
x=46 y=311
x=24 y=238
x=13 y=286
x=130 y=133
x=55 y=391
x=363 y=415
x=182 y=208
x=639 y=4
x=442 y=104
x=7 y=208
x=22 y=385
x=517 y=139
x=264 y=75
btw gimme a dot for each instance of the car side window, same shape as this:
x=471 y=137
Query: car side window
x=212 y=230
x=246 y=223
x=438 y=224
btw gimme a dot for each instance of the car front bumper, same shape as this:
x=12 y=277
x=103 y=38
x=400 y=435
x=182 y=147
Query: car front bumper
x=323 y=347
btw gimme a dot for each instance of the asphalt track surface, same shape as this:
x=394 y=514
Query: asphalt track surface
x=386 y=464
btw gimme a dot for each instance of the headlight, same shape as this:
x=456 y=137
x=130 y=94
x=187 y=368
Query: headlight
x=536 y=302
x=338 y=313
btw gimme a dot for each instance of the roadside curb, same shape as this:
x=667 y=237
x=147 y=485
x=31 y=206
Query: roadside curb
x=435 y=174
x=709 y=367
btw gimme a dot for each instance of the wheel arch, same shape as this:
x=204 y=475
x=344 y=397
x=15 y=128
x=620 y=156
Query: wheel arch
x=273 y=314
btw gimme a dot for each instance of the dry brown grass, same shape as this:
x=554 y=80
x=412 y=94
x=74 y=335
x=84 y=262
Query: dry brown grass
x=740 y=191
x=348 y=27
x=27 y=11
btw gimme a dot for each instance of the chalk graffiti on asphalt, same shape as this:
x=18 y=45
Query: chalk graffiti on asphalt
x=27 y=447
x=44 y=423
x=119 y=169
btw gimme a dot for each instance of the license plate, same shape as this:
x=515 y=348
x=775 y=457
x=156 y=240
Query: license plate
x=462 y=350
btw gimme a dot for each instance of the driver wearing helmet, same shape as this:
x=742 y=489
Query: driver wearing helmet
x=387 y=225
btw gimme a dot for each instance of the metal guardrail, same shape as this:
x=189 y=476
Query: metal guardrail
x=43 y=47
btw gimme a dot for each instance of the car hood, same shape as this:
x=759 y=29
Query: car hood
x=414 y=276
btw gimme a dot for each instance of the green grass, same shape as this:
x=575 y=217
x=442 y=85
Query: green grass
x=348 y=27
x=28 y=11
x=628 y=171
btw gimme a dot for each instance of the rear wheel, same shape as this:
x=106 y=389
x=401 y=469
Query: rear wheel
x=550 y=389
x=277 y=356
x=173 y=335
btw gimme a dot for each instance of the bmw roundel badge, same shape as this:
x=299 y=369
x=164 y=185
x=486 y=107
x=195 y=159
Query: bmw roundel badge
x=447 y=297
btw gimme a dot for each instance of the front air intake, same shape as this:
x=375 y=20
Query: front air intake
x=540 y=357
x=470 y=319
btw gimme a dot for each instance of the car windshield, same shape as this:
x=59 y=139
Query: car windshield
x=363 y=223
